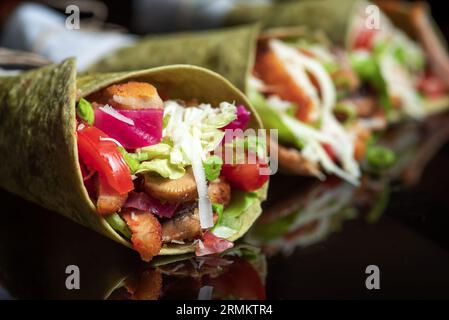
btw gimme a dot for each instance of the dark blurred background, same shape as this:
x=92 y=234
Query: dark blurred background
x=125 y=13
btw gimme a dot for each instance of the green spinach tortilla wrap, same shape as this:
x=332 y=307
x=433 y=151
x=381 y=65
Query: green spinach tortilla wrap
x=133 y=155
x=316 y=74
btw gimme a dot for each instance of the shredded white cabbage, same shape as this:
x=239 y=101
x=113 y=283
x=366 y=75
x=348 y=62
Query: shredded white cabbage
x=322 y=53
x=399 y=85
x=256 y=84
x=278 y=103
x=195 y=132
x=111 y=140
x=192 y=147
x=112 y=112
x=294 y=62
x=331 y=131
x=372 y=123
x=343 y=146
x=202 y=122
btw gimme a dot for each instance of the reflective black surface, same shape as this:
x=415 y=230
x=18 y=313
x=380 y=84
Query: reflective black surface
x=409 y=243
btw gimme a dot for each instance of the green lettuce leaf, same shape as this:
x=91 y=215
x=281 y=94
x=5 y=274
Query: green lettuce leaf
x=163 y=167
x=131 y=161
x=368 y=69
x=272 y=120
x=118 y=224
x=159 y=160
x=160 y=150
x=229 y=224
x=85 y=111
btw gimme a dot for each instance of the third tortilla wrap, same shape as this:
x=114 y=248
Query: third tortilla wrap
x=38 y=136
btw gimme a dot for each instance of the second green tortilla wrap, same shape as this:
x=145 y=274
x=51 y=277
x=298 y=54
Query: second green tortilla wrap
x=230 y=52
x=38 y=136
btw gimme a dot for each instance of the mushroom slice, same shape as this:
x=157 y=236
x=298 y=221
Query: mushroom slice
x=184 y=227
x=174 y=191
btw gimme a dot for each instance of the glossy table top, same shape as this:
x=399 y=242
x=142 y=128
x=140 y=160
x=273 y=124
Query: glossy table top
x=409 y=243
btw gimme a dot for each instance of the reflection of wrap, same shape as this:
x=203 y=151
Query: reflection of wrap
x=315 y=211
x=239 y=273
x=36 y=246
x=38 y=135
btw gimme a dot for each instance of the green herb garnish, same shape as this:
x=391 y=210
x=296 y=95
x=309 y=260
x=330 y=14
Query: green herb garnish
x=212 y=167
x=380 y=157
x=85 y=111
